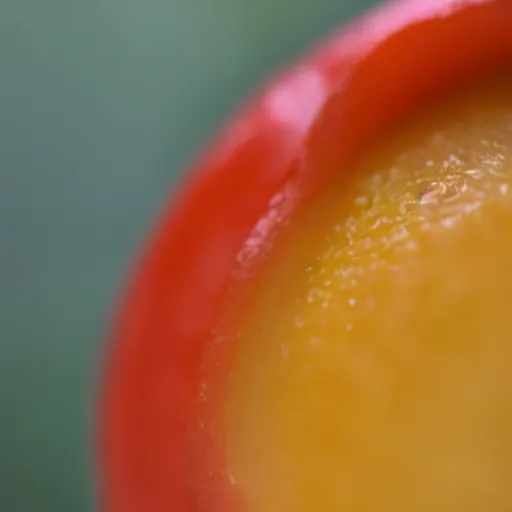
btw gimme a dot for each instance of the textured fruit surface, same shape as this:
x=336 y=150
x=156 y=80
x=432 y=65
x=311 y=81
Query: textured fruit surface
x=375 y=370
x=162 y=443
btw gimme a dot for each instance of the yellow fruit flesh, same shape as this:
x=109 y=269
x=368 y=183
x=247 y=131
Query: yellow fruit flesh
x=375 y=370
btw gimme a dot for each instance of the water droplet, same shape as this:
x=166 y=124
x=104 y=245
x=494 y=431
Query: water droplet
x=376 y=224
x=316 y=342
x=276 y=199
x=476 y=174
x=448 y=223
x=471 y=207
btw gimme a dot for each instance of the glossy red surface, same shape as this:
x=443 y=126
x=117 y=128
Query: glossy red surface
x=280 y=150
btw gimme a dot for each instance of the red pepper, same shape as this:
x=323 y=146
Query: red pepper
x=282 y=149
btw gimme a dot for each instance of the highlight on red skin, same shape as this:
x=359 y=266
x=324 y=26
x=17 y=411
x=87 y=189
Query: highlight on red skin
x=280 y=150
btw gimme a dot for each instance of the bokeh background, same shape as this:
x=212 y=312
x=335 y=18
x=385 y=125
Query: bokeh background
x=102 y=104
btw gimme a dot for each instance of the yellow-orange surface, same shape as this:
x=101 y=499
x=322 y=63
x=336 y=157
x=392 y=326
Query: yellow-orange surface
x=374 y=372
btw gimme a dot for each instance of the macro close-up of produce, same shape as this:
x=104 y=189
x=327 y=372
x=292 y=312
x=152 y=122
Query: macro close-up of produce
x=256 y=256
x=321 y=318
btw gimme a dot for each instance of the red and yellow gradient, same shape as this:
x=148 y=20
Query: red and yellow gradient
x=382 y=416
x=374 y=373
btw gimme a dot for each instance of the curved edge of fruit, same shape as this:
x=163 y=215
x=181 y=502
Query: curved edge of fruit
x=278 y=151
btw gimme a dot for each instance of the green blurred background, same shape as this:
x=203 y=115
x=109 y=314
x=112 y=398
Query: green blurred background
x=102 y=104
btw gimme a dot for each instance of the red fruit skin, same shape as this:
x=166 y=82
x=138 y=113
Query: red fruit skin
x=158 y=449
